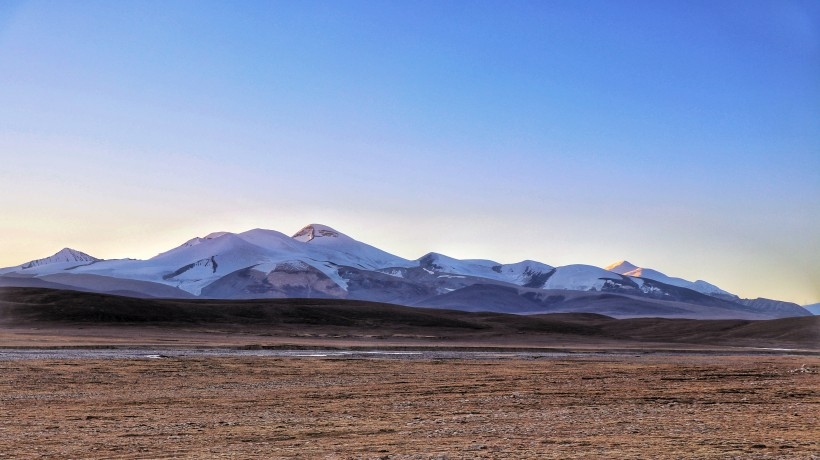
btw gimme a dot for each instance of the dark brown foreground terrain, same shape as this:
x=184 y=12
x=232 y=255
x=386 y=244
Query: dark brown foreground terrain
x=639 y=388
x=35 y=317
x=590 y=406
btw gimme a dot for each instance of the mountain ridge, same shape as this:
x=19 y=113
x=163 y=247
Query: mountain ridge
x=320 y=261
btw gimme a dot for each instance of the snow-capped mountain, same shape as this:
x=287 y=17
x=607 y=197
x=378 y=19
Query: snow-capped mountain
x=64 y=259
x=325 y=242
x=527 y=273
x=627 y=269
x=319 y=261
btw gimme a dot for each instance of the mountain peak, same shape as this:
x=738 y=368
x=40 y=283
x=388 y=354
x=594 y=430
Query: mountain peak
x=623 y=267
x=214 y=235
x=197 y=240
x=73 y=255
x=65 y=255
x=313 y=231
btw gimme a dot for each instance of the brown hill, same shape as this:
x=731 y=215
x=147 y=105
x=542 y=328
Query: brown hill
x=330 y=317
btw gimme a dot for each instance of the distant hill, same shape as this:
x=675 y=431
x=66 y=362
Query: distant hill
x=40 y=307
x=813 y=308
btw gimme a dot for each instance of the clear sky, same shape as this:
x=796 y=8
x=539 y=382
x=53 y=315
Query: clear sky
x=679 y=135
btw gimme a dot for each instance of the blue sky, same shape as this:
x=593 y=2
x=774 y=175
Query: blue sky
x=681 y=136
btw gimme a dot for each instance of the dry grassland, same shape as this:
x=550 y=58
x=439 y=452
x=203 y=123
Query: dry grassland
x=652 y=406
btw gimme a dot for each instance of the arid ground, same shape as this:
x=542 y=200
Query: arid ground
x=585 y=406
x=588 y=387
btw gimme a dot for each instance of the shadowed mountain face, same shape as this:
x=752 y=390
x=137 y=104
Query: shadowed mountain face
x=30 y=307
x=320 y=262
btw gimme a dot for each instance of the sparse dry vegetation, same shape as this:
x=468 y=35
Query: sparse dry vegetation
x=621 y=406
x=653 y=388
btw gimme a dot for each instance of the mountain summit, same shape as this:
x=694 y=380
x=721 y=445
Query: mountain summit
x=63 y=256
x=627 y=269
x=312 y=231
x=622 y=268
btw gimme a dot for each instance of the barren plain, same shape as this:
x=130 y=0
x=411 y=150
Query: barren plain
x=616 y=406
x=96 y=377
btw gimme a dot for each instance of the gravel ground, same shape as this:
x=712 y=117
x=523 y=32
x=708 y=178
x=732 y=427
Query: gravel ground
x=152 y=403
x=163 y=353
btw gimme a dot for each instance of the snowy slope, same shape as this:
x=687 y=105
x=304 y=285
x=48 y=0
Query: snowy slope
x=190 y=267
x=579 y=277
x=202 y=260
x=275 y=243
x=330 y=245
x=627 y=269
x=527 y=273
x=622 y=268
x=439 y=263
x=194 y=241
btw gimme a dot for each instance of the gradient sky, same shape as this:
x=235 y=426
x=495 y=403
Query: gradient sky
x=681 y=136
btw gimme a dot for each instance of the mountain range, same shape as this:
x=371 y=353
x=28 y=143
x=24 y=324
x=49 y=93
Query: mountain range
x=320 y=262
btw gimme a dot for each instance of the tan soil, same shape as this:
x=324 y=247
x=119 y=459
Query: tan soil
x=623 y=406
x=95 y=336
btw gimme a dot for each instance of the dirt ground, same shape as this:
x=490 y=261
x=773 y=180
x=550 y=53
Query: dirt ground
x=590 y=406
